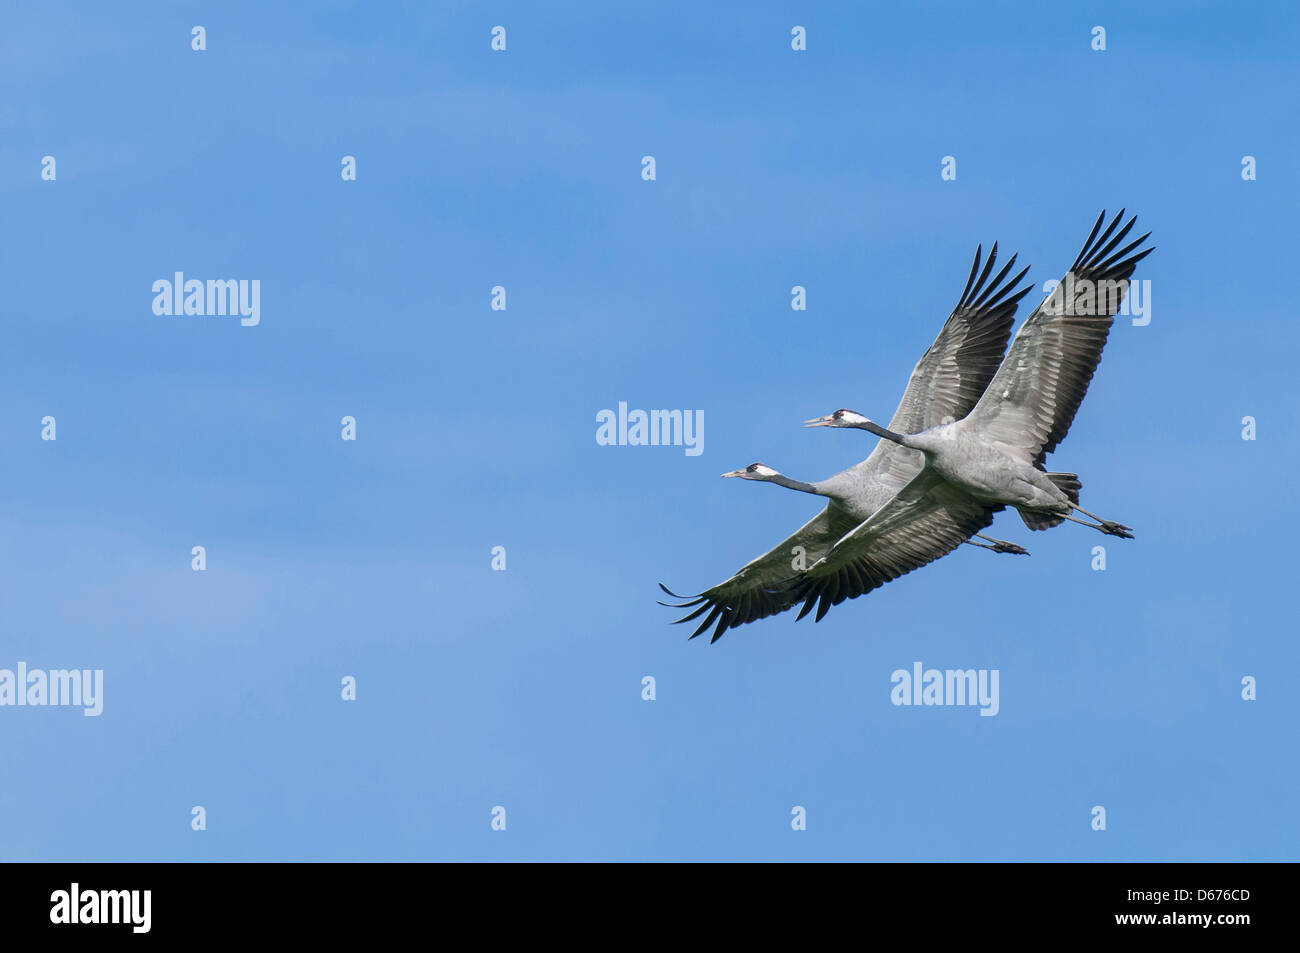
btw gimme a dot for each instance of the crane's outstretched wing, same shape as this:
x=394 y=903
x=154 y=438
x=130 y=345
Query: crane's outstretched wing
x=1032 y=399
x=945 y=384
x=763 y=587
x=927 y=519
x=953 y=373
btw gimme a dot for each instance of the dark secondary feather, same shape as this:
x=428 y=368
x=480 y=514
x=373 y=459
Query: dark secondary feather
x=762 y=588
x=928 y=519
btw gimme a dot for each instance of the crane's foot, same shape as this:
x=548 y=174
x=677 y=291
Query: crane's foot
x=1002 y=546
x=1116 y=529
x=998 y=545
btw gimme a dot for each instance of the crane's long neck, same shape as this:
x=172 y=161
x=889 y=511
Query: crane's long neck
x=783 y=480
x=880 y=431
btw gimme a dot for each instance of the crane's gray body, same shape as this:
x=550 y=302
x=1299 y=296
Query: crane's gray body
x=988 y=472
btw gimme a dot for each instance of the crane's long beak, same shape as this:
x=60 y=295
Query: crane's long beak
x=735 y=473
x=818 y=422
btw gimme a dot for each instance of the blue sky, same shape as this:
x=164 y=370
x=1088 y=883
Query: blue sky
x=476 y=428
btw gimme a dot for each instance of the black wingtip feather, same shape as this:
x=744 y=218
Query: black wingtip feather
x=1119 y=237
x=1098 y=247
x=988 y=267
x=975 y=266
x=694 y=615
x=995 y=285
x=722 y=627
x=823 y=607
x=676 y=595
x=1118 y=256
x=708 y=621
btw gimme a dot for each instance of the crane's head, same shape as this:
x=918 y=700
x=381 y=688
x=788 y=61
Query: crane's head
x=755 y=471
x=841 y=418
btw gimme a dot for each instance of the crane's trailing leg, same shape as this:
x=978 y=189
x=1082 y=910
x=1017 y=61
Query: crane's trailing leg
x=1107 y=527
x=999 y=546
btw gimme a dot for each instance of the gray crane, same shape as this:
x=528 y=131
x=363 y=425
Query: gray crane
x=993 y=457
x=946 y=383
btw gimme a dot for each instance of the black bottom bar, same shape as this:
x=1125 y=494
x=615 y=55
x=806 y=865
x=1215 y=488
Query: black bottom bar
x=927 y=901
